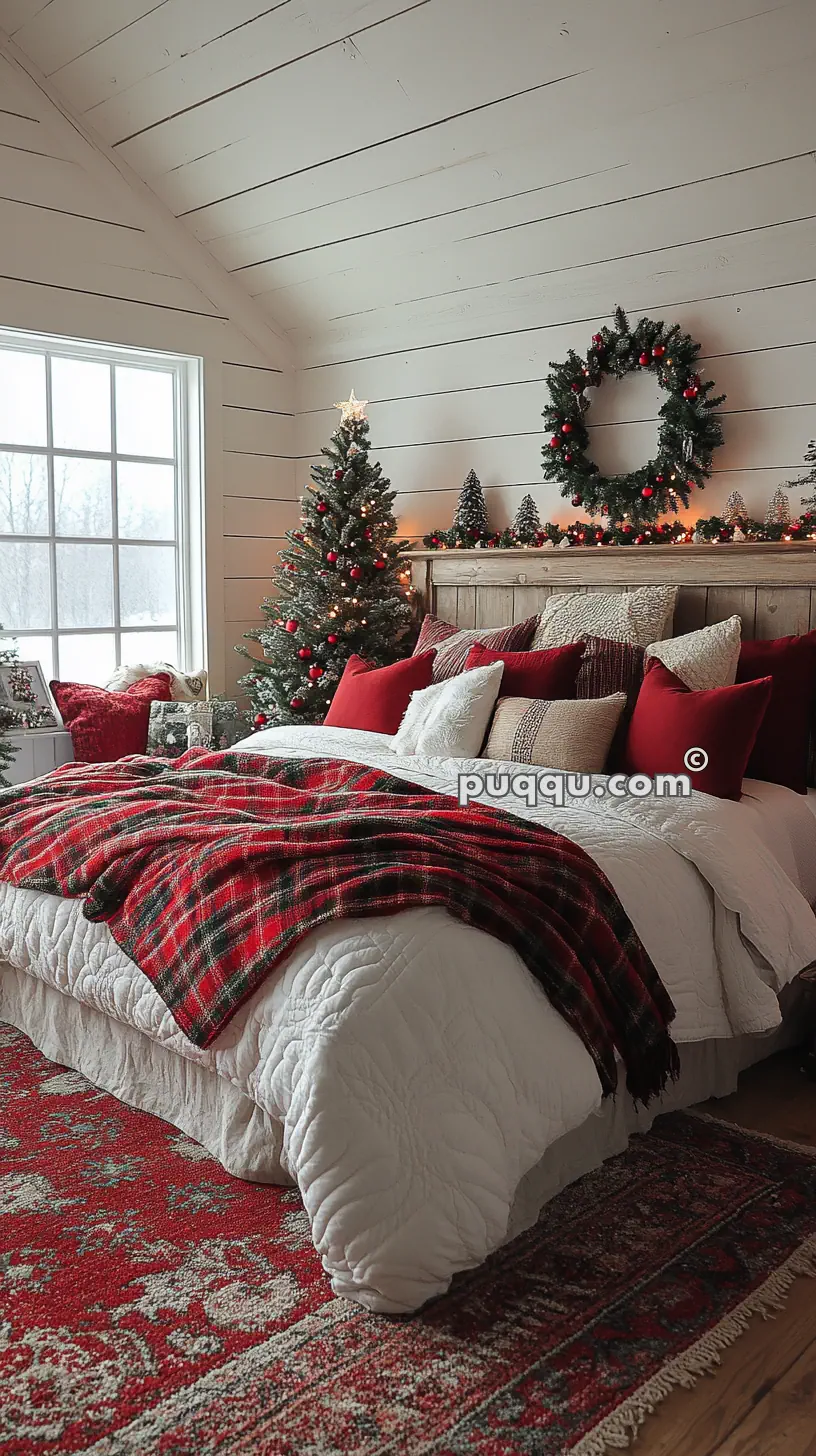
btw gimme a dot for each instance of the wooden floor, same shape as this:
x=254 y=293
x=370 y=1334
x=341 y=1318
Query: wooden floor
x=762 y=1400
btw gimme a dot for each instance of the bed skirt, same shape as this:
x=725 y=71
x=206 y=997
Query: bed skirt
x=248 y=1142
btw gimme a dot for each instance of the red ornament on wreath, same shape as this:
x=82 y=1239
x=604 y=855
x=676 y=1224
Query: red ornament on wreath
x=658 y=351
x=644 y=360
x=555 y=443
x=292 y=625
x=331 y=639
x=567 y=428
x=296 y=703
x=577 y=500
x=380 y=565
x=304 y=653
x=321 y=508
x=356 y=572
x=260 y=719
x=331 y=556
x=647 y=492
x=315 y=673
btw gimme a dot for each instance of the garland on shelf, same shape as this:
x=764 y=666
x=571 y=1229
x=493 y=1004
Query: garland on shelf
x=714 y=529
x=689 y=430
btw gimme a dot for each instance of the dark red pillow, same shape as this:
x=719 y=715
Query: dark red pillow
x=375 y=698
x=669 y=719
x=548 y=674
x=105 y=726
x=612 y=667
x=780 y=753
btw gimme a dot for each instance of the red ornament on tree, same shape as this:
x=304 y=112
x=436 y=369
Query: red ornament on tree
x=690 y=393
x=555 y=443
x=292 y=625
x=304 y=653
x=647 y=491
x=658 y=351
x=331 y=556
x=567 y=457
x=331 y=639
x=645 y=359
x=321 y=508
x=338 y=475
x=296 y=703
x=356 y=572
x=659 y=479
x=315 y=673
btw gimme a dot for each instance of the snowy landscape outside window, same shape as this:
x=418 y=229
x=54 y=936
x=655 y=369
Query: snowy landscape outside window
x=100 y=557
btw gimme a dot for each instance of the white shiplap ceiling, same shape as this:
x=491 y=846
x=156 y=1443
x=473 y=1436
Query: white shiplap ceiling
x=390 y=172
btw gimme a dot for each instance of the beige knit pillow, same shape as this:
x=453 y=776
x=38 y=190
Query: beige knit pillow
x=640 y=616
x=570 y=734
x=704 y=659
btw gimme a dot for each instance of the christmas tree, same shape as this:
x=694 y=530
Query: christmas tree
x=735 y=509
x=340 y=586
x=470 y=518
x=808 y=501
x=528 y=522
x=778 y=512
x=8 y=720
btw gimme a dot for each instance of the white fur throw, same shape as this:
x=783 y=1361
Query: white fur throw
x=184 y=687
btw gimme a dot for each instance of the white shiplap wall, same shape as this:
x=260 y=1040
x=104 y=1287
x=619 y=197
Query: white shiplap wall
x=434 y=198
x=76 y=260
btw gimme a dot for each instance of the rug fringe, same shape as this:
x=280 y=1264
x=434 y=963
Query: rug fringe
x=617 y=1430
x=804 y=1149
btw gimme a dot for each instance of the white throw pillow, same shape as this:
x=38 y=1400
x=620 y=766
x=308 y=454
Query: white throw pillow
x=641 y=616
x=704 y=659
x=185 y=687
x=449 y=719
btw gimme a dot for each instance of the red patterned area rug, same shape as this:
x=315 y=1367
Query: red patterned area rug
x=149 y=1302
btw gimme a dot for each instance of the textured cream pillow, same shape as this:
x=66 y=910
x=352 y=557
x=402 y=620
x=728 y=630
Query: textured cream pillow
x=449 y=719
x=569 y=734
x=704 y=659
x=641 y=616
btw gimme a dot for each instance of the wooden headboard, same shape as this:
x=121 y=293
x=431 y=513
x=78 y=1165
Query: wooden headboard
x=770 y=586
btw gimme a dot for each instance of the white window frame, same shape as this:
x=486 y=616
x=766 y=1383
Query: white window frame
x=187 y=374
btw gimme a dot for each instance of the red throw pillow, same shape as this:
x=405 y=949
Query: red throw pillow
x=375 y=698
x=780 y=753
x=548 y=674
x=669 y=719
x=105 y=726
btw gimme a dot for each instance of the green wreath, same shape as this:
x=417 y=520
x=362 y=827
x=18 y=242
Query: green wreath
x=689 y=430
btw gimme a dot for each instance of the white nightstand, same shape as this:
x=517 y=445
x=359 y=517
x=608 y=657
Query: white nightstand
x=39 y=750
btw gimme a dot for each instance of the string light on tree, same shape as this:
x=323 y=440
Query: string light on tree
x=309 y=641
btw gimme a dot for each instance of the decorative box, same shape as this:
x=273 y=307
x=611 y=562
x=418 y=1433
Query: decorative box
x=175 y=727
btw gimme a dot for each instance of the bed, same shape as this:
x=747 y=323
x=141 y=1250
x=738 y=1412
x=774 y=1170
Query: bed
x=406 y=1071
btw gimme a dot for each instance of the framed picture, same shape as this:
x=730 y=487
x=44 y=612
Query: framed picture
x=23 y=688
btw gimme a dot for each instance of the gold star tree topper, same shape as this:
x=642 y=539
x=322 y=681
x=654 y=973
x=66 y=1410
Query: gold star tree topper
x=352 y=410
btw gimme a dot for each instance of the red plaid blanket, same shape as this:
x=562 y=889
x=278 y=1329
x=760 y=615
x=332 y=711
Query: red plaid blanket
x=209 y=869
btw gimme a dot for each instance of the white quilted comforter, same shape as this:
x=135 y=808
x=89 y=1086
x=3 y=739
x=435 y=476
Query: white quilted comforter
x=416 y=1068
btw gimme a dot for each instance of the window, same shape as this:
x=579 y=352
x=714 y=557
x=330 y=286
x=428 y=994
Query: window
x=100 y=506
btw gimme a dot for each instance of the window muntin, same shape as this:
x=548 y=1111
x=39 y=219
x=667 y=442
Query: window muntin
x=96 y=562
